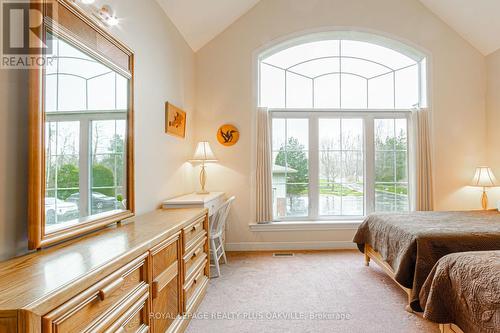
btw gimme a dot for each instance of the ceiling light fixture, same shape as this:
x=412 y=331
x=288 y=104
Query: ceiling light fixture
x=87 y=2
x=106 y=15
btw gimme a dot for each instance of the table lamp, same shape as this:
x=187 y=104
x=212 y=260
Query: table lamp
x=203 y=154
x=484 y=178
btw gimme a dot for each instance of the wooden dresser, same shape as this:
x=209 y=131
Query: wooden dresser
x=146 y=274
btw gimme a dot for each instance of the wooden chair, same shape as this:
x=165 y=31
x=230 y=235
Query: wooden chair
x=217 y=224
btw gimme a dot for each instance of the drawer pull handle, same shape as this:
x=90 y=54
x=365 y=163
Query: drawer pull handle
x=109 y=289
x=197 y=278
x=196 y=227
x=197 y=252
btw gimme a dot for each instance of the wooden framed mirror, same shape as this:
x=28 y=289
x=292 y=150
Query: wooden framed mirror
x=81 y=174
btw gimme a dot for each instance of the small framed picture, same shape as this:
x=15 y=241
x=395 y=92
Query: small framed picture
x=175 y=120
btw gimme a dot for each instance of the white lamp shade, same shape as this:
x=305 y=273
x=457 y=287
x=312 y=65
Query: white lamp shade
x=484 y=177
x=203 y=153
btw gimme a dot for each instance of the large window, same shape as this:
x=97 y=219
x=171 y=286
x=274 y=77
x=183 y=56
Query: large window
x=340 y=127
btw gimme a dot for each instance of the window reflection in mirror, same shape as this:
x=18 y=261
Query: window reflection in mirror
x=86 y=106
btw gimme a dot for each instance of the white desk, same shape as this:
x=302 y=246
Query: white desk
x=211 y=201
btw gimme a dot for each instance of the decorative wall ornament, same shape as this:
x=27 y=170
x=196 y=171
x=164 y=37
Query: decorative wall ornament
x=175 y=120
x=228 y=135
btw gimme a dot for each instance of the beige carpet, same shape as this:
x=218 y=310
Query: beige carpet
x=320 y=291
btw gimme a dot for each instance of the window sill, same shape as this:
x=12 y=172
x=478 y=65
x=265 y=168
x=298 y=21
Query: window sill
x=304 y=225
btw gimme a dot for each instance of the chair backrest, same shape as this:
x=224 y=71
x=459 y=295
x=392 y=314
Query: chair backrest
x=219 y=217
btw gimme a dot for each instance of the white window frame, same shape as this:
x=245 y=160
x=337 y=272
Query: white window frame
x=85 y=118
x=368 y=117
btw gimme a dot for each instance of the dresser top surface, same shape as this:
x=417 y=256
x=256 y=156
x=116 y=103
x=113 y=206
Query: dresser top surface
x=26 y=279
x=193 y=198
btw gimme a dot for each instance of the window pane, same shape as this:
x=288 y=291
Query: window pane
x=407 y=87
x=298 y=167
x=330 y=197
x=297 y=132
x=376 y=53
x=352 y=199
x=61 y=171
x=81 y=66
x=71 y=94
x=385 y=167
x=297 y=200
x=108 y=165
x=400 y=130
x=272 y=86
x=303 y=52
x=51 y=93
x=298 y=91
x=385 y=197
x=402 y=203
x=121 y=92
x=279 y=135
x=330 y=166
x=101 y=92
x=290 y=167
x=352 y=134
x=401 y=166
x=352 y=168
x=363 y=67
x=384 y=134
x=381 y=92
x=391 y=165
x=327 y=91
x=341 y=167
x=317 y=67
x=354 y=94
x=77 y=82
x=329 y=134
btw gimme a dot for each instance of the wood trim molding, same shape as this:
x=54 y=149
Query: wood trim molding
x=68 y=20
x=372 y=254
x=304 y=226
x=292 y=246
x=450 y=328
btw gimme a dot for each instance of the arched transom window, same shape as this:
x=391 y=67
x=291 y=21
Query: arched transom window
x=340 y=125
x=340 y=74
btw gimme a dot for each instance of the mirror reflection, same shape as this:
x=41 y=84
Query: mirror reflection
x=86 y=105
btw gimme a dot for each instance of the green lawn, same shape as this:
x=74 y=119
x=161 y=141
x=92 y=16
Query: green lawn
x=391 y=189
x=342 y=190
x=338 y=190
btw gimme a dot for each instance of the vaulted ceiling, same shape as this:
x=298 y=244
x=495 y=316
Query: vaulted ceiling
x=475 y=20
x=199 y=21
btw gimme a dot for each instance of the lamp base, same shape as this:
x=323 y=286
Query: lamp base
x=484 y=200
x=202 y=192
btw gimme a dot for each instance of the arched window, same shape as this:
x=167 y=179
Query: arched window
x=340 y=124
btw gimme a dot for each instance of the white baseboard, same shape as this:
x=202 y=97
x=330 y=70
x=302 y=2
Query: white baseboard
x=271 y=246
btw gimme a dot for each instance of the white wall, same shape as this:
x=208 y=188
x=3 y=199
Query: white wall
x=164 y=71
x=493 y=112
x=226 y=94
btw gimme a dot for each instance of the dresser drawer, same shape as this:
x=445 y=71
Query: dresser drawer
x=105 y=298
x=134 y=320
x=195 y=286
x=193 y=231
x=165 y=289
x=165 y=254
x=194 y=257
